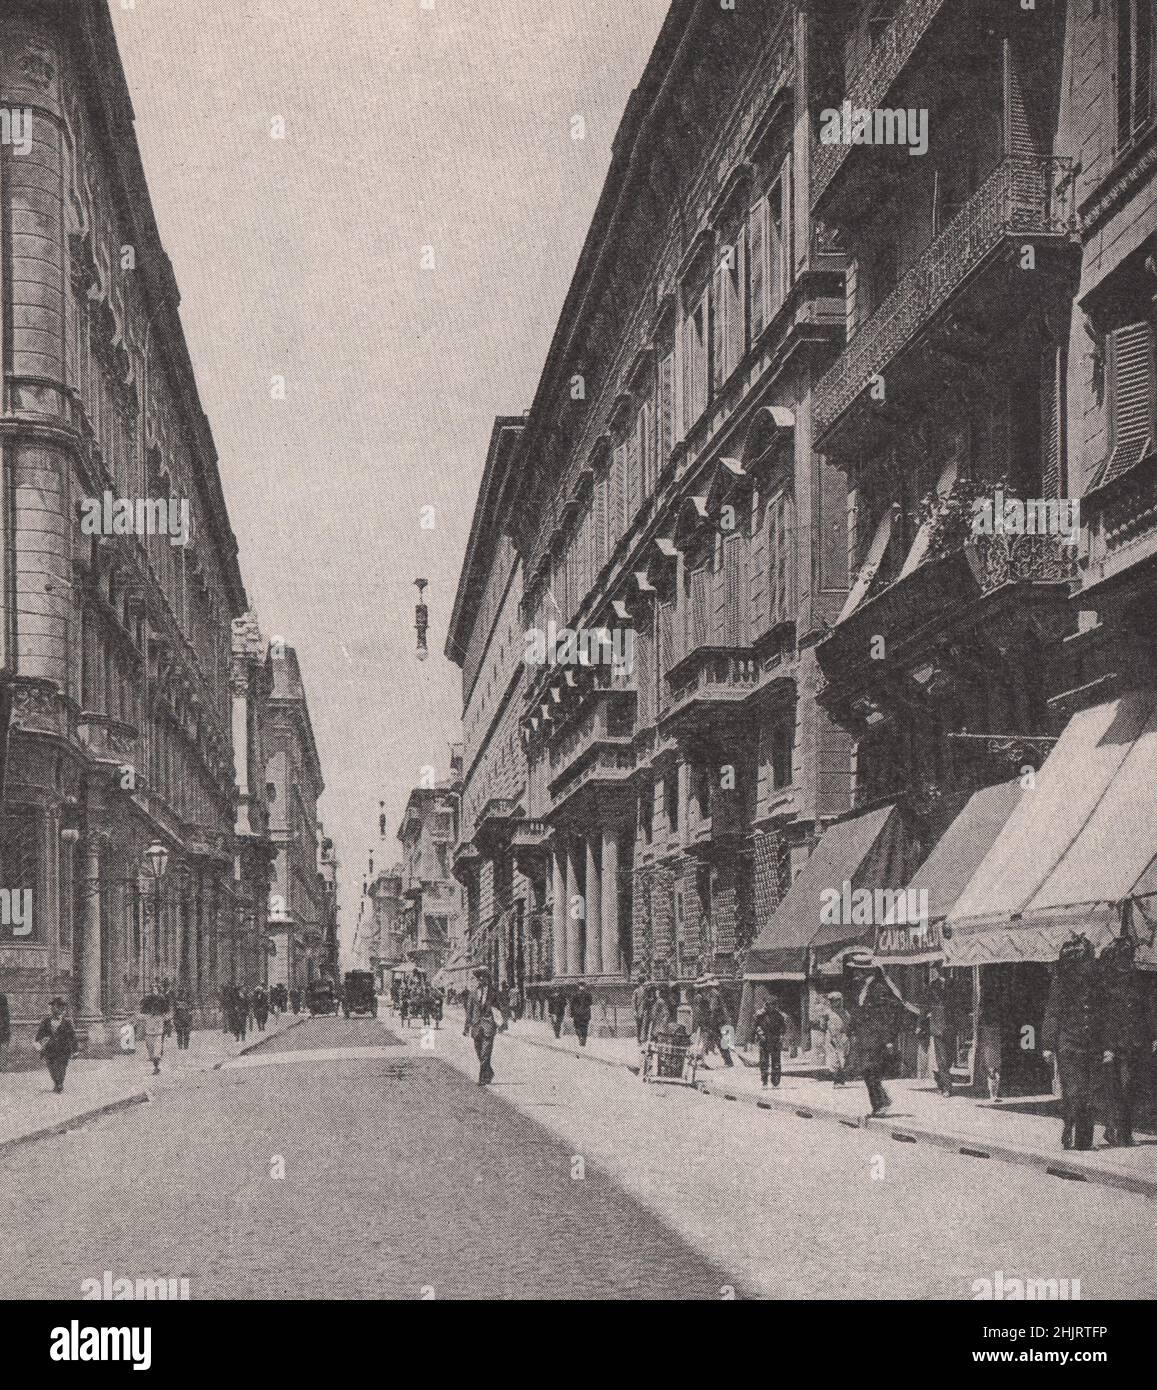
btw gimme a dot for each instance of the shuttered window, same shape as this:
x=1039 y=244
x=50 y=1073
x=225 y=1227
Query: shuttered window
x=616 y=495
x=757 y=267
x=634 y=472
x=602 y=539
x=729 y=319
x=695 y=354
x=666 y=411
x=1052 y=461
x=1136 y=23
x=1131 y=398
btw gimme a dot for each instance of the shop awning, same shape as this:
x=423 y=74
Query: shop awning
x=944 y=875
x=1076 y=846
x=864 y=852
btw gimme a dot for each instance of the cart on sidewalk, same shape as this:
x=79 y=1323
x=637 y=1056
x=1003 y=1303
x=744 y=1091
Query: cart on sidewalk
x=670 y=1057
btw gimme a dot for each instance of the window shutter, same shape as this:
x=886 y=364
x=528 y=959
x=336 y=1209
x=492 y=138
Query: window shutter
x=601 y=547
x=736 y=278
x=757 y=266
x=634 y=471
x=1050 y=425
x=786 y=222
x=719 y=325
x=616 y=521
x=666 y=411
x=1131 y=361
x=774 y=250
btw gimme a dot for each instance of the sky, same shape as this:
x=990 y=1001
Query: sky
x=413 y=132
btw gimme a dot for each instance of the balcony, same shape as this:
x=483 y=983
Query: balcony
x=705 y=684
x=594 y=757
x=495 y=823
x=1121 y=520
x=989 y=589
x=1022 y=197
x=872 y=83
x=467 y=862
x=531 y=844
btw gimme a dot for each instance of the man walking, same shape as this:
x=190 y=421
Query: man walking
x=767 y=1027
x=155 y=1025
x=1128 y=1028
x=56 y=1039
x=183 y=1020
x=722 y=1032
x=481 y=1024
x=581 y=1004
x=556 y=1008
x=1071 y=1030
x=875 y=1014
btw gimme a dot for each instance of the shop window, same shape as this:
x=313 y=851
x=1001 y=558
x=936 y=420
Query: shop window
x=19 y=853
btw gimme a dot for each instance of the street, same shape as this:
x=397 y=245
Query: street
x=346 y=1159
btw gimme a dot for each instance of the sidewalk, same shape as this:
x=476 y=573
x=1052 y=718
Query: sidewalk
x=1025 y=1129
x=29 y=1109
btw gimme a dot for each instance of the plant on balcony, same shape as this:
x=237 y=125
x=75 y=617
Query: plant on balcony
x=950 y=514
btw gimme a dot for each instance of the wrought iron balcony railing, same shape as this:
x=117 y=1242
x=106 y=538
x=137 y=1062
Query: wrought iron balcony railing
x=1003 y=560
x=1022 y=196
x=870 y=85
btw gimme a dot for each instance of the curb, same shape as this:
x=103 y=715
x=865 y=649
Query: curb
x=964 y=1144
x=260 y=1042
x=75 y=1121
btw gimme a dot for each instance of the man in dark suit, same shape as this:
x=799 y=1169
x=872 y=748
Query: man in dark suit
x=1128 y=1029
x=481 y=1024
x=876 y=1017
x=56 y=1039
x=1071 y=1029
x=581 y=1004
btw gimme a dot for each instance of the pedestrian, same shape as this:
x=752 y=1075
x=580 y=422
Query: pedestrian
x=1071 y=1032
x=581 y=1005
x=226 y=998
x=481 y=1023
x=659 y=1018
x=56 y=1041
x=5 y=1031
x=940 y=1028
x=238 y=1013
x=183 y=1020
x=640 y=1000
x=722 y=1031
x=156 y=1024
x=875 y=1014
x=835 y=1025
x=437 y=1007
x=1128 y=1030
x=295 y=1000
x=260 y=1008
x=514 y=1002
x=404 y=1007
x=556 y=1008
x=767 y=1026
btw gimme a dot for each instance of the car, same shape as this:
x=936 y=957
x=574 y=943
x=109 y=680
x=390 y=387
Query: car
x=358 y=994
x=321 y=997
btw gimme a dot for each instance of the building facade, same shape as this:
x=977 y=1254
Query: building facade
x=860 y=273
x=115 y=635
x=293 y=783
x=427 y=918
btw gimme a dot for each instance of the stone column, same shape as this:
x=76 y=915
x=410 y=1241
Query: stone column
x=612 y=835
x=558 y=910
x=594 y=943
x=574 y=933
x=194 y=913
x=87 y=951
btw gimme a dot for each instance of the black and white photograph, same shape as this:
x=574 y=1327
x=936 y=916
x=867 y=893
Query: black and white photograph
x=578 y=672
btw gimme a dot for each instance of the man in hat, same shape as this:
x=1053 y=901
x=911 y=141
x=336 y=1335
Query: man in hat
x=156 y=1024
x=875 y=1014
x=768 y=1025
x=56 y=1040
x=1128 y=1029
x=481 y=1024
x=581 y=1005
x=1071 y=1031
x=835 y=1026
x=556 y=1008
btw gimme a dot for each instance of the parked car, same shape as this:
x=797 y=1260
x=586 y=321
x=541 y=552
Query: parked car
x=321 y=997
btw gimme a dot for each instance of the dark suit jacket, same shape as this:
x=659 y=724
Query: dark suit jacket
x=480 y=1008
x=60 y=1044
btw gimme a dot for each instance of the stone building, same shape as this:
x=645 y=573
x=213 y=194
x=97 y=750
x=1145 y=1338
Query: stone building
x=115 y=631
x=431 y=897
x=293 y=784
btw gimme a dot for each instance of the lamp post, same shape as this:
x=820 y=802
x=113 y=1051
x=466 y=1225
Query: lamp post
x=157 y=859
x=421 y=619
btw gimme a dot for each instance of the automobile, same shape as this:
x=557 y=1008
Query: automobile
x=358 y=994
x=321 y=997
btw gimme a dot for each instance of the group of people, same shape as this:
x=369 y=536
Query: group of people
x=417 y=998
x=579 y=1002
x=243 y=1009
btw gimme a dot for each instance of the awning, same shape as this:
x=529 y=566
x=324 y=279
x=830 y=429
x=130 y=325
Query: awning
x=918 y=938
x=863 y=852
x=1076 y=847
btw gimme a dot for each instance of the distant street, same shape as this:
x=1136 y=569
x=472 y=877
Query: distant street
x=566 y=1179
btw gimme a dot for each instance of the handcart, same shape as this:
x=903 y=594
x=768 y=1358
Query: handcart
x=671 y=1057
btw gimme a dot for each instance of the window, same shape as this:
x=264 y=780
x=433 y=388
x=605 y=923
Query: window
x=618 y=494
x=782 y=738
x=647 y=813
x=769 y=250
x=671 y=800
x=665 y=410
x=695 y=354
x=1135 y=78
x=729 y=328
x=644 y=454
x=1132 y=409
x=701 y=782
x=19 y=855
x=781 y=557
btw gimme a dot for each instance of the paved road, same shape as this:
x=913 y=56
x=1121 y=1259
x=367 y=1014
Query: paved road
x=566 y=1179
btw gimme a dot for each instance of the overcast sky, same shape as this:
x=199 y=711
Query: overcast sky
x=405 y=127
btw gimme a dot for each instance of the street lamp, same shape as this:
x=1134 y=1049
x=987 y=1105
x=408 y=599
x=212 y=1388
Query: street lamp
x=158 y=859
x=421 y=620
